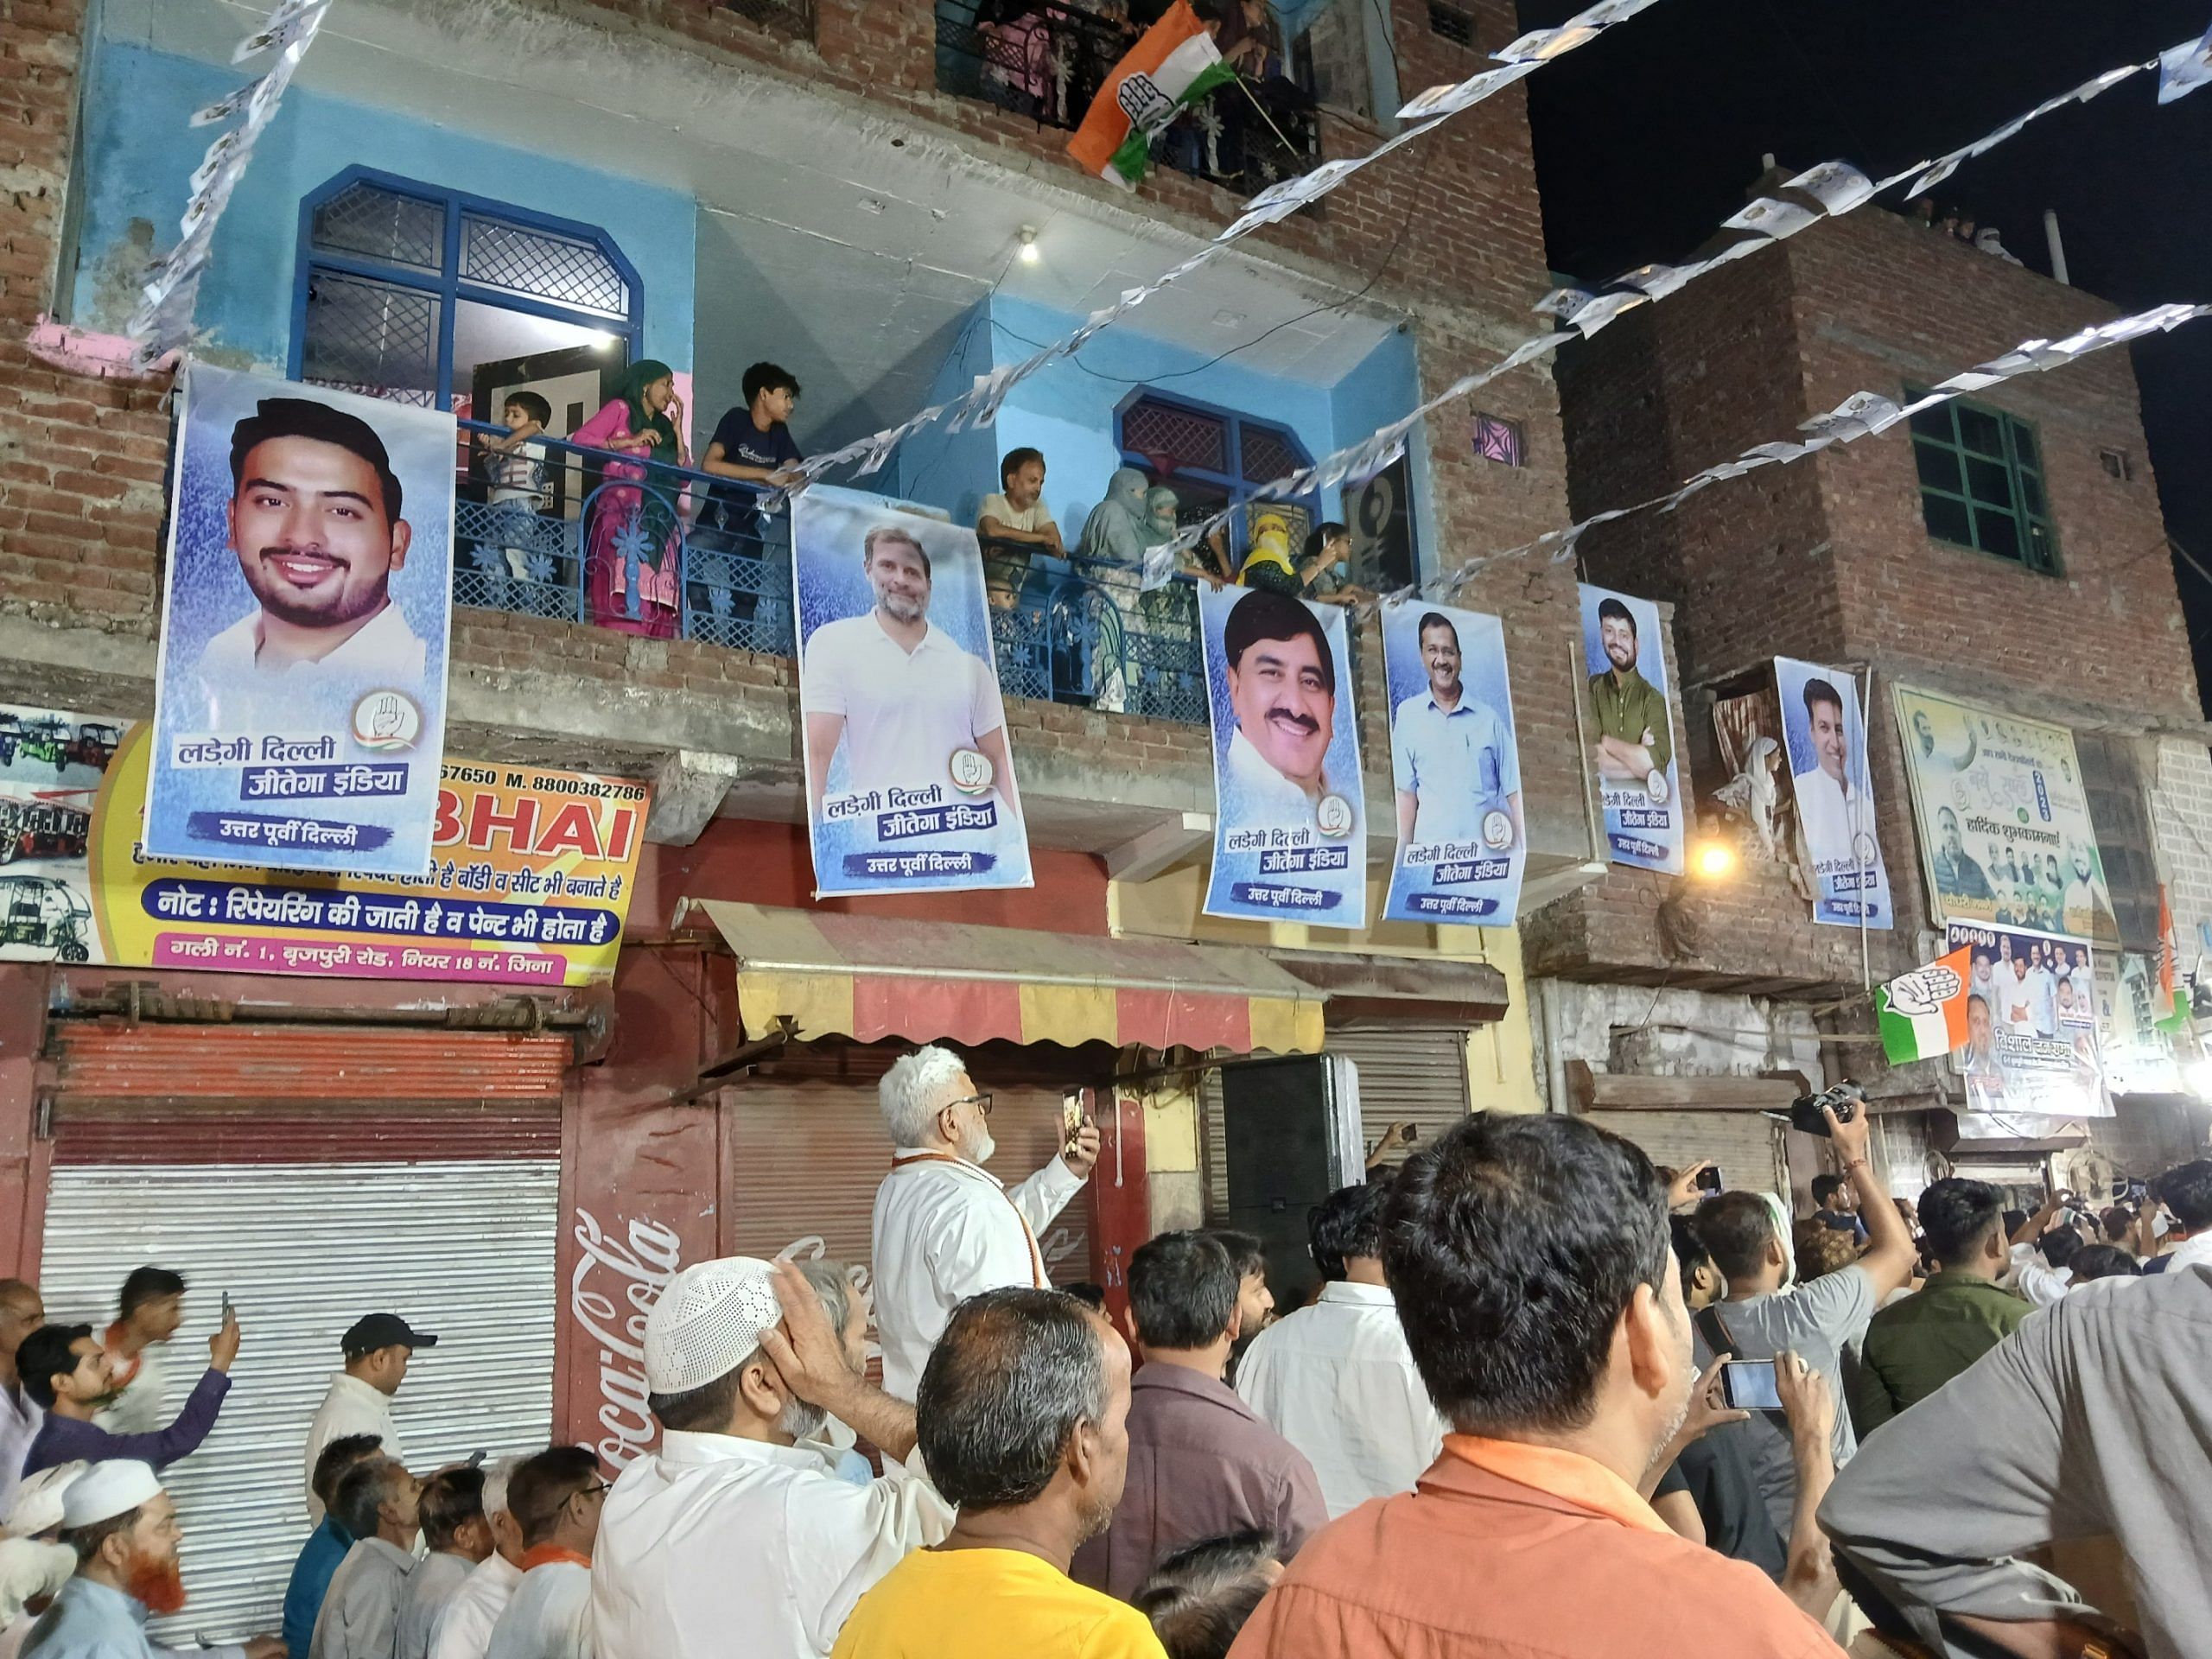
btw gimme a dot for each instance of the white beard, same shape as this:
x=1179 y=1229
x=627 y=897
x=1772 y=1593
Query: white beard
x=978 y=1147
x=801 y=1420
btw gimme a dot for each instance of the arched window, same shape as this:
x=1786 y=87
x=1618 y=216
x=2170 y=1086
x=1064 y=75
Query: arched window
x=1213 y=458
x=427 y=296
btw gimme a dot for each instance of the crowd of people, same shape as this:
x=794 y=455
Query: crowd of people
x=1547 y=1400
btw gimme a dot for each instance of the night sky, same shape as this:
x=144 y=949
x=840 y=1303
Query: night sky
x=1648 y=138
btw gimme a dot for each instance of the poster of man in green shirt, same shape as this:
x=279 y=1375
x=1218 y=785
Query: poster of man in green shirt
x=1629 y=732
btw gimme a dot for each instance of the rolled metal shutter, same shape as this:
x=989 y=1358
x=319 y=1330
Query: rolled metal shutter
x=1747 y=1146
x=1417 y=1074
x=424 y=1224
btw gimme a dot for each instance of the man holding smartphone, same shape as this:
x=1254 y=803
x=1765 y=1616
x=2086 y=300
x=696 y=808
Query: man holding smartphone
x=1761 y=1315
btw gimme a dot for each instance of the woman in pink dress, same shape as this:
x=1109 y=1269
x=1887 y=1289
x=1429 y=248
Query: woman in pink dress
x=632 y=537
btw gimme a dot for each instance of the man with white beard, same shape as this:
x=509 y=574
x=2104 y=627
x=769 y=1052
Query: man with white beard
x=945 y=1227
x=898 y=695
x=738 y=1534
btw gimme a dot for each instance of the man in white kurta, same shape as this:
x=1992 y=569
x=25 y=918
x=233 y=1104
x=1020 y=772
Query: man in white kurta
x=376 y=1348
x=740 y=1522
x=1335 y=1378
x=946 y=1228
x=463 y=1627
x=556 y=1499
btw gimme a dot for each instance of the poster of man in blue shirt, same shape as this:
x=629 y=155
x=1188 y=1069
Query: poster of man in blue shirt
x=1455 y=767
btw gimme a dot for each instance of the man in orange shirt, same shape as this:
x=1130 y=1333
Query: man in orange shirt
x=1543 y=1305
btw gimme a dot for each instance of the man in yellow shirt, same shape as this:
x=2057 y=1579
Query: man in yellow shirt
x=1023 y=1414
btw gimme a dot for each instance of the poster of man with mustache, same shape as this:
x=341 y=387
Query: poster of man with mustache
x=1290 y=824
x=910 y=782
x=300 y=702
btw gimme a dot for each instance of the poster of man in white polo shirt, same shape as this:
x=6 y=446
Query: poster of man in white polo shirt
x=1455 y=768
x=910 y=783
x=1824 y=729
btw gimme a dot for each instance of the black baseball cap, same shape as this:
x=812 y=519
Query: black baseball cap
x=374 y=1331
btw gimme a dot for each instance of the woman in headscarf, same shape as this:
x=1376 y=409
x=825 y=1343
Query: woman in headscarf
x=1119 y=528
x=631 y=549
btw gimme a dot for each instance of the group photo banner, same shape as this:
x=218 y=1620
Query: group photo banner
x=1455 y=767
x=1290 y=824
x=2004 y=818
x=1628 y=720
x=1824 y=736
x=2032 y=1029
x=300 y=701
x=910 y=783
x=529 y=884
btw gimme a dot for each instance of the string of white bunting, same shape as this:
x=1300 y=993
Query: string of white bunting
x=979 y=405
x=1833 y=189
x=162 y=322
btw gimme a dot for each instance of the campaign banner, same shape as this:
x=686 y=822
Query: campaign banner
x=1824 y=736
x=1290 y=824
x=530 y=883
x=1628 y=725
x=1455 y=767
x=2031 y=1048
x=51 y=764
x=300 y=705
x=910 y=785
x=2139 y=1058
x=2003 y=819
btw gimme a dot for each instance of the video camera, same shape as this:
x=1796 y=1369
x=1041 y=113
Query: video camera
x=1845 y=1100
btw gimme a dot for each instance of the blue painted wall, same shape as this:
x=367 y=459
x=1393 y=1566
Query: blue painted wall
x=1067 y=411
x=140 y=152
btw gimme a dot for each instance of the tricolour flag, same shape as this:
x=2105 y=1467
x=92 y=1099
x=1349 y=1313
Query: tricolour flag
x=1173 y=66
x=2173 y=1011
x=1923 y=1014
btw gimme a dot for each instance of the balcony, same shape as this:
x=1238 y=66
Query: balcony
x=1045 y=61
x=551 y=532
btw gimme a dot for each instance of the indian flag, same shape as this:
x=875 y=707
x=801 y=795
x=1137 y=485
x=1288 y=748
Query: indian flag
x=1922 y=1014
x=1171 y=69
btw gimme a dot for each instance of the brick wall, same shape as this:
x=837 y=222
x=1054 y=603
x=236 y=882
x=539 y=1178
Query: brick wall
x=1830 y=560
x=1447 y=229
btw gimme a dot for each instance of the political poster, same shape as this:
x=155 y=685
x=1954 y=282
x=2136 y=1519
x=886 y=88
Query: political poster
x=1824 y=734
x=51 y=763
x=910 y=783
x=530 y=883
x=1290 y=825
x=2031 y=1048
x=300 y=705
x=1455 y=767
x=2139 y=1058
x=2004 y=818
x=1628 y=725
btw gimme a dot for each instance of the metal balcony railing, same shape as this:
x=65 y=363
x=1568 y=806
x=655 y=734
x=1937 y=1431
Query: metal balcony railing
x=558 y=529
x=1045 y=60
x=793 y=19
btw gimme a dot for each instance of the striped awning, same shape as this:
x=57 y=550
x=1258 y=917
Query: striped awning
x=873 y=979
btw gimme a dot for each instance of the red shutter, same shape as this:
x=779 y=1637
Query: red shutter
x=165 y=1094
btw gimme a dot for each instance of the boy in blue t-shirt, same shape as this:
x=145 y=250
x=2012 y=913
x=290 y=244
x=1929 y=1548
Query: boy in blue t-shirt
x=753 y=445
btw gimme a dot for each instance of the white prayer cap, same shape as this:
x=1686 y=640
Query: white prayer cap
x=107 y=1490
x=706 y=1321
x=37 y=1505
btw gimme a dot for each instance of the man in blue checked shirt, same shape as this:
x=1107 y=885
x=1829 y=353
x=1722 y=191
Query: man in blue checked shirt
x=1453 y=758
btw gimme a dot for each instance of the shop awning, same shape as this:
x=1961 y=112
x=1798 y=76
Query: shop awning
x=871 y=979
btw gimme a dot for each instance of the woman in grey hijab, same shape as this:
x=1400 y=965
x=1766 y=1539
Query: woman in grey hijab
x=1118 y=530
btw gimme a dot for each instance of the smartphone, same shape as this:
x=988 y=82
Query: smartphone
x=1708 y=1179
x=1070 y=1119
x=1748 y=1385
x=227 y=1305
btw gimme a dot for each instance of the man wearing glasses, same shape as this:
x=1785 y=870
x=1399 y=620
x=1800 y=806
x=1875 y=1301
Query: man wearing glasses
x=945 y=1227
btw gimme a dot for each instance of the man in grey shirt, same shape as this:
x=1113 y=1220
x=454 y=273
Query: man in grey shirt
x=456 y=1537
x=1762 y=1314
x=377 y=1502
x=2093 y=1420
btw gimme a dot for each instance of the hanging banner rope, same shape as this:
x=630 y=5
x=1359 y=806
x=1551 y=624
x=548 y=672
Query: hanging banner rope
x=1833 y=189
x=163 y=322
x=980 y=404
